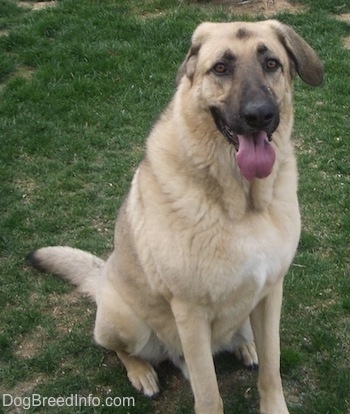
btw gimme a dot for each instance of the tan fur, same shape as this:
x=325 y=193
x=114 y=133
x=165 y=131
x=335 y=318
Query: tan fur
x=199 y=250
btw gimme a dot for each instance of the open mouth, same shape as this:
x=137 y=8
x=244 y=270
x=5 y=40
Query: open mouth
x=255 y=156
x=231 y=136
x=226 y=131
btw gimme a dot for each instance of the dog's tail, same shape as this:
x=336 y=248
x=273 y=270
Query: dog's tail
x=78 y=267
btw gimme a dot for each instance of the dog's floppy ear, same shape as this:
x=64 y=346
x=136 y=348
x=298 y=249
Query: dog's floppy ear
x=188 y=67
x=307 y=64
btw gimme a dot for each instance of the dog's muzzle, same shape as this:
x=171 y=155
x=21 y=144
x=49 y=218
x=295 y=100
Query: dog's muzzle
x=255 y=156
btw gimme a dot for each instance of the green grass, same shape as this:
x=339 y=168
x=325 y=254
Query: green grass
x=80 y=87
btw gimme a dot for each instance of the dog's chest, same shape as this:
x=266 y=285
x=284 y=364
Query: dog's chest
x=216 y=262
x=207 y=245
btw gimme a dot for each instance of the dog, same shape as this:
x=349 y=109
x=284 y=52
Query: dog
x=211 y=223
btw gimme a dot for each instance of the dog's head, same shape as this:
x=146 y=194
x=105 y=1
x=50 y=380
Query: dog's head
x=241 y=73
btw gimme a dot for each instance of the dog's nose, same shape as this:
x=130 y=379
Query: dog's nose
x=258 y=114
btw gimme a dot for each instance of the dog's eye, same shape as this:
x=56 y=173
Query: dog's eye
x=272 y=64
x=220 y=68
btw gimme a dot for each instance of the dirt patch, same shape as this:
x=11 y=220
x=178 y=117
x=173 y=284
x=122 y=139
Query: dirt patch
x=346 y=43
x=174 y=387
x=62 y=309
x=100 y=225
x=37 y=6
x=254 y=8
x=22 y=389
x=152 y=15
x=66 y=310
x=345 y=17
x=30 y=346
x=23 y=72
x=20 y=72
x=26 y=186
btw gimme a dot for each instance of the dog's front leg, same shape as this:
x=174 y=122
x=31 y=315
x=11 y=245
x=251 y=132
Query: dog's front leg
x=265 y=320
x=195 y=334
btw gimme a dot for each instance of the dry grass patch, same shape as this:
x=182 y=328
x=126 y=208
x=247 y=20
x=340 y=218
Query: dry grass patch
x=37 y=6
x=346 y=43
x=67 y=310
x=31 y=345
x=24 y=72
x=345 y=17
x=266 y=8
x=4 y=32
x=21 y=389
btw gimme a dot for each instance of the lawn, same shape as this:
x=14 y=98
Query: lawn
x=81 y=84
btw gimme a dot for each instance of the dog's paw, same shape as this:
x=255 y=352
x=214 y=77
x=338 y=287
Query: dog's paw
x=247 y=354
x=145 y=379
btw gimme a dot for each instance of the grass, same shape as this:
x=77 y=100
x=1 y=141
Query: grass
x=80 y=86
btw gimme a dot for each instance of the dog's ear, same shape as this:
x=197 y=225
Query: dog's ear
x=188 y=66
x=307 y=64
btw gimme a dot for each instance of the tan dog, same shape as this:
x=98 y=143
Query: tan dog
x=211 y=223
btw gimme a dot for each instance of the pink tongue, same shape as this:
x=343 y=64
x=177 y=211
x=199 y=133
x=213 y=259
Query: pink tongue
x=255 y=156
